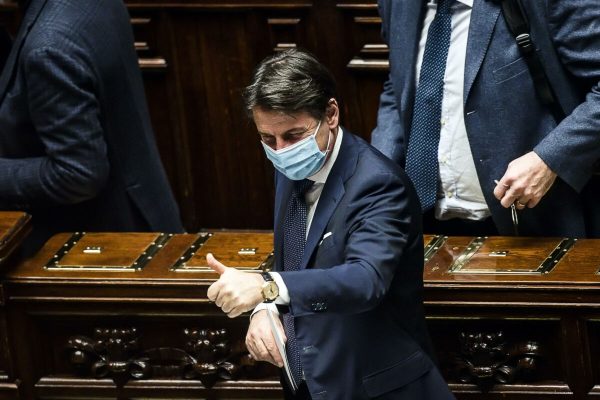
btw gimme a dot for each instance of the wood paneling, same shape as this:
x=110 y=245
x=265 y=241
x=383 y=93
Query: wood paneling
x=89 y=332
x=197 y=56
x=500 y=332
x=209 y=147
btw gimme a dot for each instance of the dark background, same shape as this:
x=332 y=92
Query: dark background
x=197 y=55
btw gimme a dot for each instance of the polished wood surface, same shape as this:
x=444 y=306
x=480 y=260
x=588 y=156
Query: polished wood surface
x=121 y=249
x=14 y=226
x=578 y=266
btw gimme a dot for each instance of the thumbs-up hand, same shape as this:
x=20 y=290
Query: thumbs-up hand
x=236 y=291
x=215 y=265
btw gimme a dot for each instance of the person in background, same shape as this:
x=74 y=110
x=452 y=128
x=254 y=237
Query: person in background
x=77 y=149
x=460 y=112
x=348 y=279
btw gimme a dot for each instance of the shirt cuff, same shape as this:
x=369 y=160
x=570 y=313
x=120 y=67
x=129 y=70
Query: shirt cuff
x=284 y=296
x=264 y=306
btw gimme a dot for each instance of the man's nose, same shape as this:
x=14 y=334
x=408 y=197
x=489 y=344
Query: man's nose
x=281 y=144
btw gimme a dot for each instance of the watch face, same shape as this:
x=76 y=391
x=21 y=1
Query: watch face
x=270 y=291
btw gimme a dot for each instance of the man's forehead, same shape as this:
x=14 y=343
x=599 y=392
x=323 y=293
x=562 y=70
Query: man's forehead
x=267 y=120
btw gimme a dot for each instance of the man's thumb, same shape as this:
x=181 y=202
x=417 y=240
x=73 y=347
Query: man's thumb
x=215 y=265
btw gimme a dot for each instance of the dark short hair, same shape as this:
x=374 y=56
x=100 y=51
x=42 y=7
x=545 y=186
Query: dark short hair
x=290 y=81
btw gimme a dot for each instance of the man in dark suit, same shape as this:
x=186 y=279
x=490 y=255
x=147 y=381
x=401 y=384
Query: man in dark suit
x=499 y=146
x=348 y=250
x=76 y=145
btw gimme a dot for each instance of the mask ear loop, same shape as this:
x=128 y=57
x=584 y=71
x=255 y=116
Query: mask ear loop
x=328 y=139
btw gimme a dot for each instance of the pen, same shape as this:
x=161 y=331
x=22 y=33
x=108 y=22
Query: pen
x=513 y=214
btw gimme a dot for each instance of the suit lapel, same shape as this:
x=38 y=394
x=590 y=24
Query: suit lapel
x=33 y=11
x=328 y=201
x=333 y=191
x=483 y=19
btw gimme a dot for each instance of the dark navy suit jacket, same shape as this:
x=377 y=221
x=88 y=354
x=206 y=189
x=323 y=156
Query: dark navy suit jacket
x=76 y=145
x=357 y=300
x=503 y=116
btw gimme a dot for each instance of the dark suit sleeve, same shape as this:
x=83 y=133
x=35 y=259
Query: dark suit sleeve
x=386 y=135
x=378 y=222
x=572 y=149
x=65 y=114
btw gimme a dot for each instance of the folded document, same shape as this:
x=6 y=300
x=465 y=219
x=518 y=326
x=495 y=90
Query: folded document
x=281 y=347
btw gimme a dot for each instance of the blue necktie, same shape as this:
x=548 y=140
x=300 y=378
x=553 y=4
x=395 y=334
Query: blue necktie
x=422 y=153
x=294 y=240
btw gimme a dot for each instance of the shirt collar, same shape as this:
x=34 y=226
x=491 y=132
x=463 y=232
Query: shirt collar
x=468 y=3
x=323 y=173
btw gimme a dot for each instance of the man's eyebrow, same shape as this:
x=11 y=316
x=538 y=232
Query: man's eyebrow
x=294 y=130
x=298 y=129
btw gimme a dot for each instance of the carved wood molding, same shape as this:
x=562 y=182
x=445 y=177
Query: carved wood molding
x=283 y=21
x=373 y=56
x=157 y=64
x=487 y=359
x=219 y=6
x=143 y=48
x=208 y=356
x=361 y=6
x=140 y=21
x=283 y=28
x=368 y=20
x=362 y=64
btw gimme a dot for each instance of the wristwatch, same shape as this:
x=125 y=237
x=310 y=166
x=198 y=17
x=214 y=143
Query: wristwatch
x=269 y=290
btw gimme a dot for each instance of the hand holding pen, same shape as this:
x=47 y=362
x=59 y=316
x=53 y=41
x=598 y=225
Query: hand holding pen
x=513 y=211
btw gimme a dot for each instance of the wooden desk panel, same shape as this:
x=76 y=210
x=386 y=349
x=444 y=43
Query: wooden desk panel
x=14 y=226
x=117 y=333
x=516 y=333
x=152 y=333
x=8 y=386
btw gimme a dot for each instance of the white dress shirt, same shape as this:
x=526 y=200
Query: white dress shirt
x=312 y=199
x=459 y=192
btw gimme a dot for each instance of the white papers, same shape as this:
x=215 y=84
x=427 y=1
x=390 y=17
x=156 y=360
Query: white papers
x=281 y=347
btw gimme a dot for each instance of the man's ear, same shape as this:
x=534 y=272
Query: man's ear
x=332 y=113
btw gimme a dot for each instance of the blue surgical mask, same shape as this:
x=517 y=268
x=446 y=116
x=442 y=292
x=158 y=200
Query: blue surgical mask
x=300 y=160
